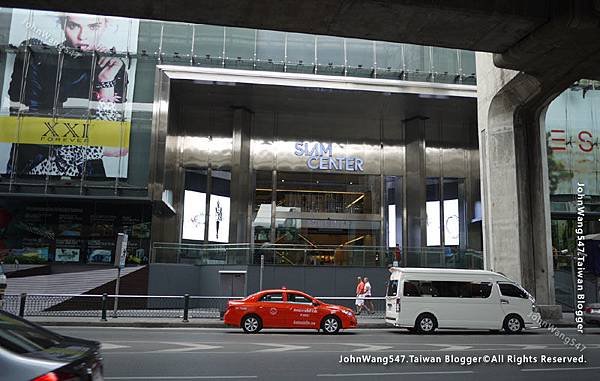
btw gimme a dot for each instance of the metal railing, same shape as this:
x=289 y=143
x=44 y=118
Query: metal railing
x=185 y=307
x=314 y=255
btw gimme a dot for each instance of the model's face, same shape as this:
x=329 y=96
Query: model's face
x=84 y=32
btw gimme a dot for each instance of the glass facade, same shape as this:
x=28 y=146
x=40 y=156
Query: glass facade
x=36 y=44
x=572 y=129
x=76 y=121
x=323 y=177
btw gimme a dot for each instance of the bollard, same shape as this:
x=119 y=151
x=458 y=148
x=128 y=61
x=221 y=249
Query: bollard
x=104 y=297
x=186 y=307
x=22 y=304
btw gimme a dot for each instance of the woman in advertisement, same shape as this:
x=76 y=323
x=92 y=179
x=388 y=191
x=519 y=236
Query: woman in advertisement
x=44 y=81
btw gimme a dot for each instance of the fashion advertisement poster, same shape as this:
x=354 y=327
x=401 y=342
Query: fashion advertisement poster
x=66 y=100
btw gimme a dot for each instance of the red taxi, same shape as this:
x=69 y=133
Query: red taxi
x=284 y=308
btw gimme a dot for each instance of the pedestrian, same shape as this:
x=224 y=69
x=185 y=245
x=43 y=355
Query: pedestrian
x=360 y=301
x=368 y=304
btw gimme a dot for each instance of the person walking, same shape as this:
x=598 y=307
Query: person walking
x=367 y=303
x=360 y=301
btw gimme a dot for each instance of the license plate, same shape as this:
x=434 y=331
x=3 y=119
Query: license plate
x=595 y=311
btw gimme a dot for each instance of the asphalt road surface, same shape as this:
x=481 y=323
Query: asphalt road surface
x=229 y=354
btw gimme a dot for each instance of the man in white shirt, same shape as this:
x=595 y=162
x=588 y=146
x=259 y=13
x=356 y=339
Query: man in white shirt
x=367 y=294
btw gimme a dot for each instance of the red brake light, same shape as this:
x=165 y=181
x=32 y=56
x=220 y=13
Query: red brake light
x=48 y=377
x=57 y=376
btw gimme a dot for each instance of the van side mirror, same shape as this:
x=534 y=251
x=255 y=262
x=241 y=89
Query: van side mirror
x=315 y=303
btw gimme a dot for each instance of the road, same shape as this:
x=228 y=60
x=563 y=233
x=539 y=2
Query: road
x=197 y=354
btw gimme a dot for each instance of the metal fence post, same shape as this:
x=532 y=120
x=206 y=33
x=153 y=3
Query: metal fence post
x=186 y=307
x=104 y=297
x=262 y=268
x=22 y=304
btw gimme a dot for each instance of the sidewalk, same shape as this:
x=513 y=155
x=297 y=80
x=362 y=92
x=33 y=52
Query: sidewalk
x=370 y=323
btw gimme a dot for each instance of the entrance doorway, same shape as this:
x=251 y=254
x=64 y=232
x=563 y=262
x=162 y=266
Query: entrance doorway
x=233 y=282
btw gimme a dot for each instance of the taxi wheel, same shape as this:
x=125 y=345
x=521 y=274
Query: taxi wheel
x=331 y=325
x=251 y=324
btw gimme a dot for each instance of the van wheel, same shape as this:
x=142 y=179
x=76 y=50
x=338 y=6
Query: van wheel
x=425 y=323
x=513 y=324
x=331 y=325
x=251 y=324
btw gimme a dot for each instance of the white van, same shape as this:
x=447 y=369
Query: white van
x=424 y=299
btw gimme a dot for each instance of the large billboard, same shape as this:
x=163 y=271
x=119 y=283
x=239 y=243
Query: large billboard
x=572 y=128
x=65 y=107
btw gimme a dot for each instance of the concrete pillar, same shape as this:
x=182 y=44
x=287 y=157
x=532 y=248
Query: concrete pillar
x=416 y=219
x=514 y=176
x=240 y=176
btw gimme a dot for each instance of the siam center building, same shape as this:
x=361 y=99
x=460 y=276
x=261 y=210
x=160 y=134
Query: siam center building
x=218 y=149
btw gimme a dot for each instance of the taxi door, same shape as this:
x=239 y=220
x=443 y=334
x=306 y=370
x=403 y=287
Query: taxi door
x=300 y=312
x=271 y=310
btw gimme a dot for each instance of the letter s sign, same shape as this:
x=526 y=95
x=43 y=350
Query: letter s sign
x=585 y=141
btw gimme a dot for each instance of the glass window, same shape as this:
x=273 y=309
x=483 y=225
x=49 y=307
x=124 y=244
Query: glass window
x=481 y=290
x=261 y=221
x=393 y=194
x=300 y=52
x=445 y=64
x=270 y=50
x=508 y=289
x=411 y=288
x=297 y=298
x=392 y=289
x=389 y=60
x=433 y=212
x=416 y=62
x=208 y=45
x=272 y=297
x=467 y=67
x=330 y=55
x=149 y=38
x=20 y=337
x=359 y=57
x=177 y=42
x=240 y=45
x=334 y=214
x=447 y=289
x=452 y=289
x=453 y=215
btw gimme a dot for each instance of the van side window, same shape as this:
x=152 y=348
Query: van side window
x=411 y=288
x=447 y=289
x=508 y=289
x=392 y=288
x=482 y=290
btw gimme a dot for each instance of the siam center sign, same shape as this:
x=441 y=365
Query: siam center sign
x=320 y=157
